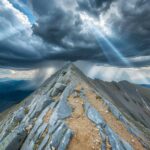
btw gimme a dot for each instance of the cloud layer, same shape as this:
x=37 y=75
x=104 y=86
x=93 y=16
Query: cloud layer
x=61 y=32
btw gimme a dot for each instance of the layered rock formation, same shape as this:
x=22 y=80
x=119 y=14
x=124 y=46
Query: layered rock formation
x=71 y=111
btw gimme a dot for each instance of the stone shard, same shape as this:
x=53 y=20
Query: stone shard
x=19 y=115
x=117 y=143
x=58 y=135
x=58 y=88
x=63 y=110
x=66 y=139
x=14 y=140
x=93 y=115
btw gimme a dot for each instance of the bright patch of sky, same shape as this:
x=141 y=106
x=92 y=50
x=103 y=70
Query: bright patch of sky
x=22 y=6
x=109 y=73
x=5 y=72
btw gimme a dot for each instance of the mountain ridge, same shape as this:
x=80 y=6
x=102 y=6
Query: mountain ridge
x=56 y=116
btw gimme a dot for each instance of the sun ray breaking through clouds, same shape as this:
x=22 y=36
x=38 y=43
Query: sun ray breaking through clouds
x=34 y=33
x=110 y=51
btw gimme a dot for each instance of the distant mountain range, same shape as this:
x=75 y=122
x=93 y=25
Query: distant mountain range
x=146 y=85
x=13 y=91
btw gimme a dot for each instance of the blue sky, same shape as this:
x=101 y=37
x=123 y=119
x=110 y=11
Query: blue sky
x=23 y=7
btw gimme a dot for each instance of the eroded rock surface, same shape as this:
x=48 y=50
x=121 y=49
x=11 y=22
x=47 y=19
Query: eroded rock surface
x=70 y=111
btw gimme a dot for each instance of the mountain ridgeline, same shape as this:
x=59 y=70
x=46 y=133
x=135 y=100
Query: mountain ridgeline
x=73 y=112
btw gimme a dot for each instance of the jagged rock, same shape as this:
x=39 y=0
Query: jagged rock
x=14 y=140
x=103 y=137
x=19 y=115
x=29 y=140
x=35 y=108
x=63 y=109
x=66 y=139
x=10 y=124
x=58 y=135
x=58 y=88
x=51 y=130
x=93 y=115
x=116 y=142
x=130 y=127
x=113 y=109
x=43 y=122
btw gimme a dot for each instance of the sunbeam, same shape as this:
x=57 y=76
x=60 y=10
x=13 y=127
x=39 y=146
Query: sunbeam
x=110 y=51
x=105 y=44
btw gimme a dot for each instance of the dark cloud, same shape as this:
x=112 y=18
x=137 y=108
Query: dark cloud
x=61 y=34
x=60 y=23
x=61 y=26
x=132 y=25
x=94 y=7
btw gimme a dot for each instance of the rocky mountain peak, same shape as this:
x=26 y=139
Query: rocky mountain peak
x=71 y=111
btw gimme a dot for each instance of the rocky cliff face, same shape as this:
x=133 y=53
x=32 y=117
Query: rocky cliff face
x=71 y=111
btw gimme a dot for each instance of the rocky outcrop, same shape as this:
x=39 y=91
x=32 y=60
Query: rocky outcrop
x=58 y=88
x=50 y=118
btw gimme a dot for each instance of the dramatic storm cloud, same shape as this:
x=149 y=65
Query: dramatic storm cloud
x=35 y=32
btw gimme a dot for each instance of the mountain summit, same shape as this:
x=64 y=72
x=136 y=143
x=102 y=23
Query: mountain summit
x=71 y=111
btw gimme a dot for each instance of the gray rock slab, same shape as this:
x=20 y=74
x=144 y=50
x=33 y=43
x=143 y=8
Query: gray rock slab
x=117 y=142
x=66 y=139
x=93 y=114
x=58 y=88
x=63 y=109
x=58 y=135
x=14 y=139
